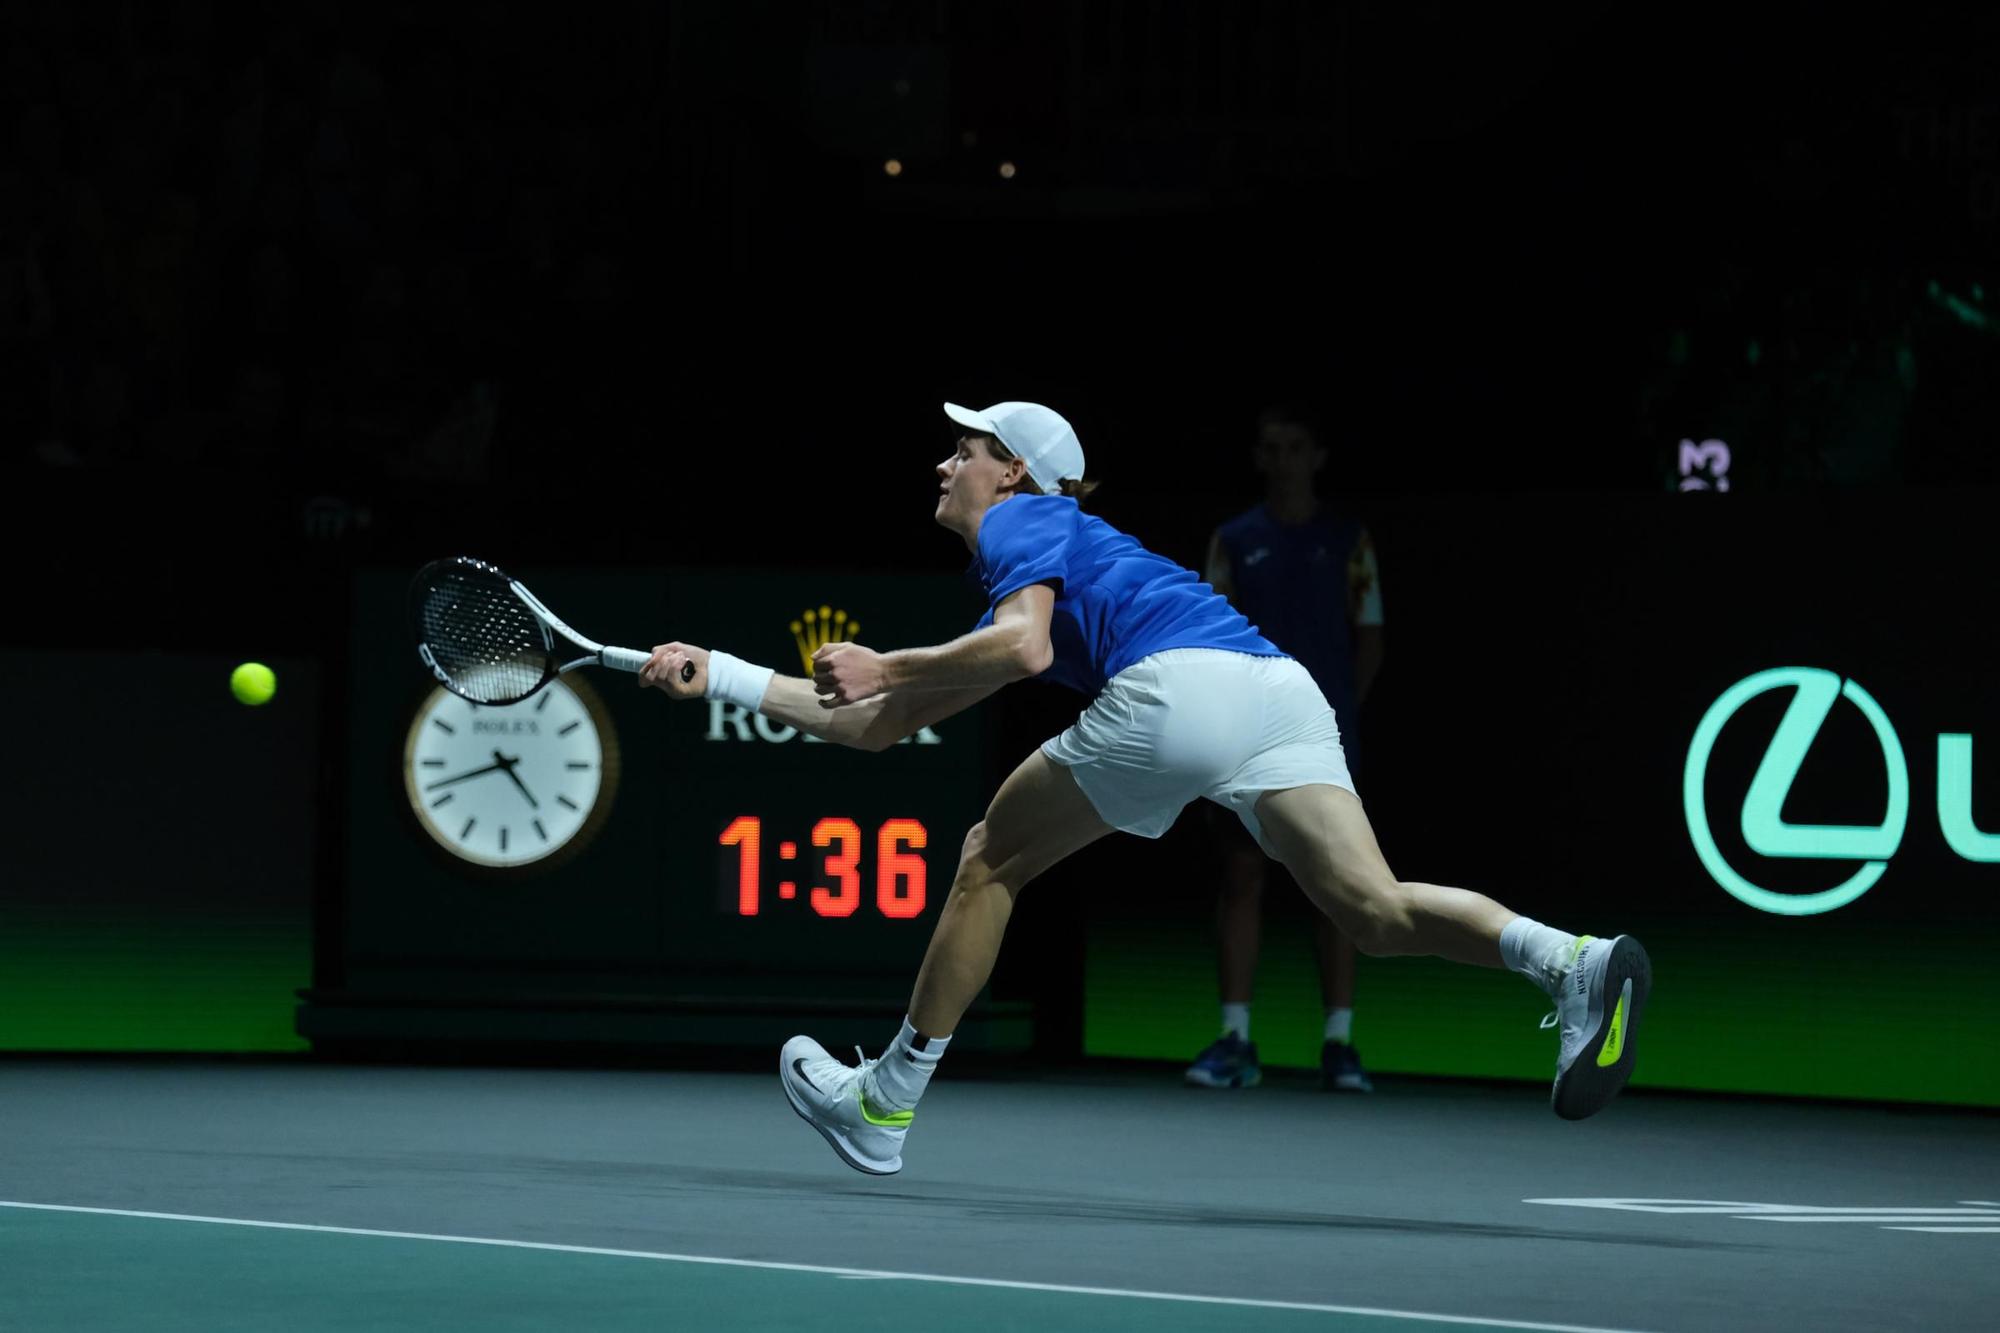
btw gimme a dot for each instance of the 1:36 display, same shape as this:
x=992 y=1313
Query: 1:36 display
x=901 y=876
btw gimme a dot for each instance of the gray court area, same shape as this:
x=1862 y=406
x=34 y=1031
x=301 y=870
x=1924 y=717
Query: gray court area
x=1415 y=1200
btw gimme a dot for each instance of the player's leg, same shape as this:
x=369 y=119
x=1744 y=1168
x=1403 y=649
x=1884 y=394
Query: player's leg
x=1334 y=953
x=1340 y=1067
x=1239 y=914
x=1324 y=838
x=1038 y=817
x=1230 y=1061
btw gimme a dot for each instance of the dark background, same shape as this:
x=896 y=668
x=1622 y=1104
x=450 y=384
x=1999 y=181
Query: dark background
x=293 y=292
x=479 y=275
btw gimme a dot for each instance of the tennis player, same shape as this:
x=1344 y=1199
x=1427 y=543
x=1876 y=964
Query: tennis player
x=1188 y=700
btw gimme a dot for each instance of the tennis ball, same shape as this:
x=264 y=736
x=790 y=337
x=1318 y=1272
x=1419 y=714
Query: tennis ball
x=253 y=683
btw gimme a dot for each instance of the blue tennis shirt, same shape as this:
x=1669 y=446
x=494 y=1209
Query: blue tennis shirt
x=1116 y=601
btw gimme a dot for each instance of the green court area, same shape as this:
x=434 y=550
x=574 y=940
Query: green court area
x=82 y=1271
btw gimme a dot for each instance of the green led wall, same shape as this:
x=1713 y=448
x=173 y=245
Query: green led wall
x=1733 y=1011
x=157 y=894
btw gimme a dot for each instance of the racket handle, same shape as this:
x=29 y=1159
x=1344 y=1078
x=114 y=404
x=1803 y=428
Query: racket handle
x=623 y=659
x=628 y=659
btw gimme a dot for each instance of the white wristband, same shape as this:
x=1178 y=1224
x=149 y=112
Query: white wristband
x=735 y=681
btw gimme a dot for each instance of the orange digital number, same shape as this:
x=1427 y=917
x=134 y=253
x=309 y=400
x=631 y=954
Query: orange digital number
x=893 y=864
x=746 y=834
x=843 y=865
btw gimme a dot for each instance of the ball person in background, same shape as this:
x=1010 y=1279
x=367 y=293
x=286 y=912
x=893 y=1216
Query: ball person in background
x=1189 y=701
x=1304 y=574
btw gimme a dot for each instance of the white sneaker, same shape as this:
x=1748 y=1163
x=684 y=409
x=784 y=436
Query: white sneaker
x=828 y=1096
x=1598 y=1005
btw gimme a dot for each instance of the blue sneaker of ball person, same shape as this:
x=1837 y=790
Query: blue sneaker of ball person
x=1340 y=1069
x=1229 y=1062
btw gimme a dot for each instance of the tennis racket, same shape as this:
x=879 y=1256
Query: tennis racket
x=490 y=640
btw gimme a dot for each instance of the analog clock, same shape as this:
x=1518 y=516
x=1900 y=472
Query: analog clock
x=510 y=787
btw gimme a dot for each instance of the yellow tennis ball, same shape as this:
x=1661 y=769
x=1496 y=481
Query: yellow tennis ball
x=253 y=683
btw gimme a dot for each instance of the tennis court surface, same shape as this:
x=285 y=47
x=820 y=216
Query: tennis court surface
x=306 y=1197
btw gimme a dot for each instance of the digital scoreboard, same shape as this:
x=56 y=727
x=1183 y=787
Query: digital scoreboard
x=901 y=875
x=816 y=856
x=728 y=873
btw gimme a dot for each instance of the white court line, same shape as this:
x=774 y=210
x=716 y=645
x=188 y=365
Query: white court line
x=836 y=1272
x=1907 y=1217
x=1875 y=1217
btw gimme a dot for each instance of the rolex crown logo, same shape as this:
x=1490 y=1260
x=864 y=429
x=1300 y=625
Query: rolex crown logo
x=813 y=630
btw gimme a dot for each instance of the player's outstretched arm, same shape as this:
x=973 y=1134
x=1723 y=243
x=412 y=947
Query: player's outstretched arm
x=1014 y=647
x=872 y=724
x=877 y=724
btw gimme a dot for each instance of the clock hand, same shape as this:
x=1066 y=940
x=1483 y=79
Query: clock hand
x=508 y=764
x=446 y=782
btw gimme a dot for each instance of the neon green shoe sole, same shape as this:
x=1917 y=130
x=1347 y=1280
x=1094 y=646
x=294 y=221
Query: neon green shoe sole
x=1602 y=1002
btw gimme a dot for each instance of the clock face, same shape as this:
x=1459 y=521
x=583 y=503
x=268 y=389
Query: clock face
x=511 y=786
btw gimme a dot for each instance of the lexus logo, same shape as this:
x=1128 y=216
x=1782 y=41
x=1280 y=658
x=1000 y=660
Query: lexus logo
x=1764 y=827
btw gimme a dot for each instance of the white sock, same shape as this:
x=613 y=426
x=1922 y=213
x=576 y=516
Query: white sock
x=1236 y=1018
x=1339 y=1025
x=1538 y=952
x=899 y=1078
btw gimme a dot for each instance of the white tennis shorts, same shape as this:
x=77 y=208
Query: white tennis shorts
x=1192 y=722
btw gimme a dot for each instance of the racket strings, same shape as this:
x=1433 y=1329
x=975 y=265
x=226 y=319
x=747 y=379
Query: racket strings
x=483 y=637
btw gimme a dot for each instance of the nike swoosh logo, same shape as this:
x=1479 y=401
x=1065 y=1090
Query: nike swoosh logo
x=799 y=1068
x=1615 y=1043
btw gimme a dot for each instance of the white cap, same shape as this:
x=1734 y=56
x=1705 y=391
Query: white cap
x=1032 y=433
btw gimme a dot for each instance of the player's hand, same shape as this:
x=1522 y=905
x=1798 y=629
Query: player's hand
x=663 y=670
x=847 y=673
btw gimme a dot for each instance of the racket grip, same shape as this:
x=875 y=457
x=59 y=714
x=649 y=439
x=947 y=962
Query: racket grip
x=628 y=659
x=623 y=659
